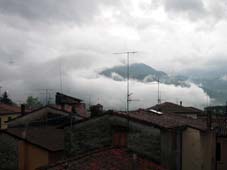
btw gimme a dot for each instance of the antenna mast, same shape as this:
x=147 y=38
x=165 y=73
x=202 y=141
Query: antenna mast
x=60 y=72
x=159 y=97
x=128 y=94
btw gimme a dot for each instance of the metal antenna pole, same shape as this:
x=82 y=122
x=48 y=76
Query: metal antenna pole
x=128 y=94
x=127 y=82
x=60 y=72
x=159 y=100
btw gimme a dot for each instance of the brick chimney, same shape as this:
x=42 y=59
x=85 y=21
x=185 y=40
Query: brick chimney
x=120 y=136
x=22 y=109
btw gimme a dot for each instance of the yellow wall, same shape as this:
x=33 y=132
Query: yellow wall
x=198 y=150
x=222 y=165
x=4 y=118
x=31 y=157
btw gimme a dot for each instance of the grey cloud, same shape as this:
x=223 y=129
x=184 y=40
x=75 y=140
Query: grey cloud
x=192 y=8
x=53 y=10
x=211 y=11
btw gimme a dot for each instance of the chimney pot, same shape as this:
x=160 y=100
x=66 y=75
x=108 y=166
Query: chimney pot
x=181 y=103
x=22 y=109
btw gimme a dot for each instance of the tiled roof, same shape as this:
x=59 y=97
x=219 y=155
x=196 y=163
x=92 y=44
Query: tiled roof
x=168 y=121
x=62 y=98
x=105 y=159
x=168 y=107
x=36 y=114
x=5 y=108
x=48 y=138
x=220 y=125
x=79 y=109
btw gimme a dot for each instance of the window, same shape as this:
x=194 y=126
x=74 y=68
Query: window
x=218 y=152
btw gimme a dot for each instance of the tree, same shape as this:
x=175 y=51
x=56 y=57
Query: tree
x=5 y=99
x=33 y=102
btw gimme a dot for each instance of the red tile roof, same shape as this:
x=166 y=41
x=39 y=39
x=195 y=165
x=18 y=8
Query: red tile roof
x=168 y=121
x=48 y=138
x=168 y=107
x=105 y=159
x=5 y=108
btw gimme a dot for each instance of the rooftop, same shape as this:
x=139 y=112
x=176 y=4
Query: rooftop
x=48 y=138
x=168 y=121
x=9 y=109
x=65 y=99
x=168 y=107
x=103 y=159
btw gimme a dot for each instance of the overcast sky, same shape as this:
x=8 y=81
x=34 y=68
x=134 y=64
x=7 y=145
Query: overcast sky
x=79 y=36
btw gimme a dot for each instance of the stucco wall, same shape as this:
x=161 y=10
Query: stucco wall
x=169 y=149
x=198 y=150
x=31 y=157
x=4 y=118
x=222 y=164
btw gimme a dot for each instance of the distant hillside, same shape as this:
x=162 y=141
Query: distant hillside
x=144 y=73
x=215 y=85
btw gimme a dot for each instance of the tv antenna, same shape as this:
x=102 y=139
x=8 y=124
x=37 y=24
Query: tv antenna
x=128 y=93
x=60 y=75
x=157 y=81
x=47 y=93
x=159 y=96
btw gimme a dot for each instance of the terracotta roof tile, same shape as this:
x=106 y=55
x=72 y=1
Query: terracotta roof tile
x=168 y=107
x=4 y=108
x=48 y=138
x=168 y=121
x=105 y=159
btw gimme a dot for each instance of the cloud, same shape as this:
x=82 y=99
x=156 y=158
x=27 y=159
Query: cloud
x=53 y=11
x=113 y=93
x=93 y=88
x=191 y=7
x=172 y=36
x=197 y=10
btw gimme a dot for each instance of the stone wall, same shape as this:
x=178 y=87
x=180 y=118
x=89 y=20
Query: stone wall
x=88 y=136
x=8 y=152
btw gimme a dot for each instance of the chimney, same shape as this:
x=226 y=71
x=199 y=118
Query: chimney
x=226 y=109
x=209 y=119
x=120 y=136
x=180 y=103
x=22 y=109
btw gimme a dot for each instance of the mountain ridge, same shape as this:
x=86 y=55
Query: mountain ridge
x=215 y=87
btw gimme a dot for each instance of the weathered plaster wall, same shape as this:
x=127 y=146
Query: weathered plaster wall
x=169 y=149
x=198 y=150
x=31 y=157
x=222 y=164
x=4 y=118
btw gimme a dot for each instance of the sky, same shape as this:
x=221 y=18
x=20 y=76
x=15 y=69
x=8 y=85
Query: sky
x=45 y=41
